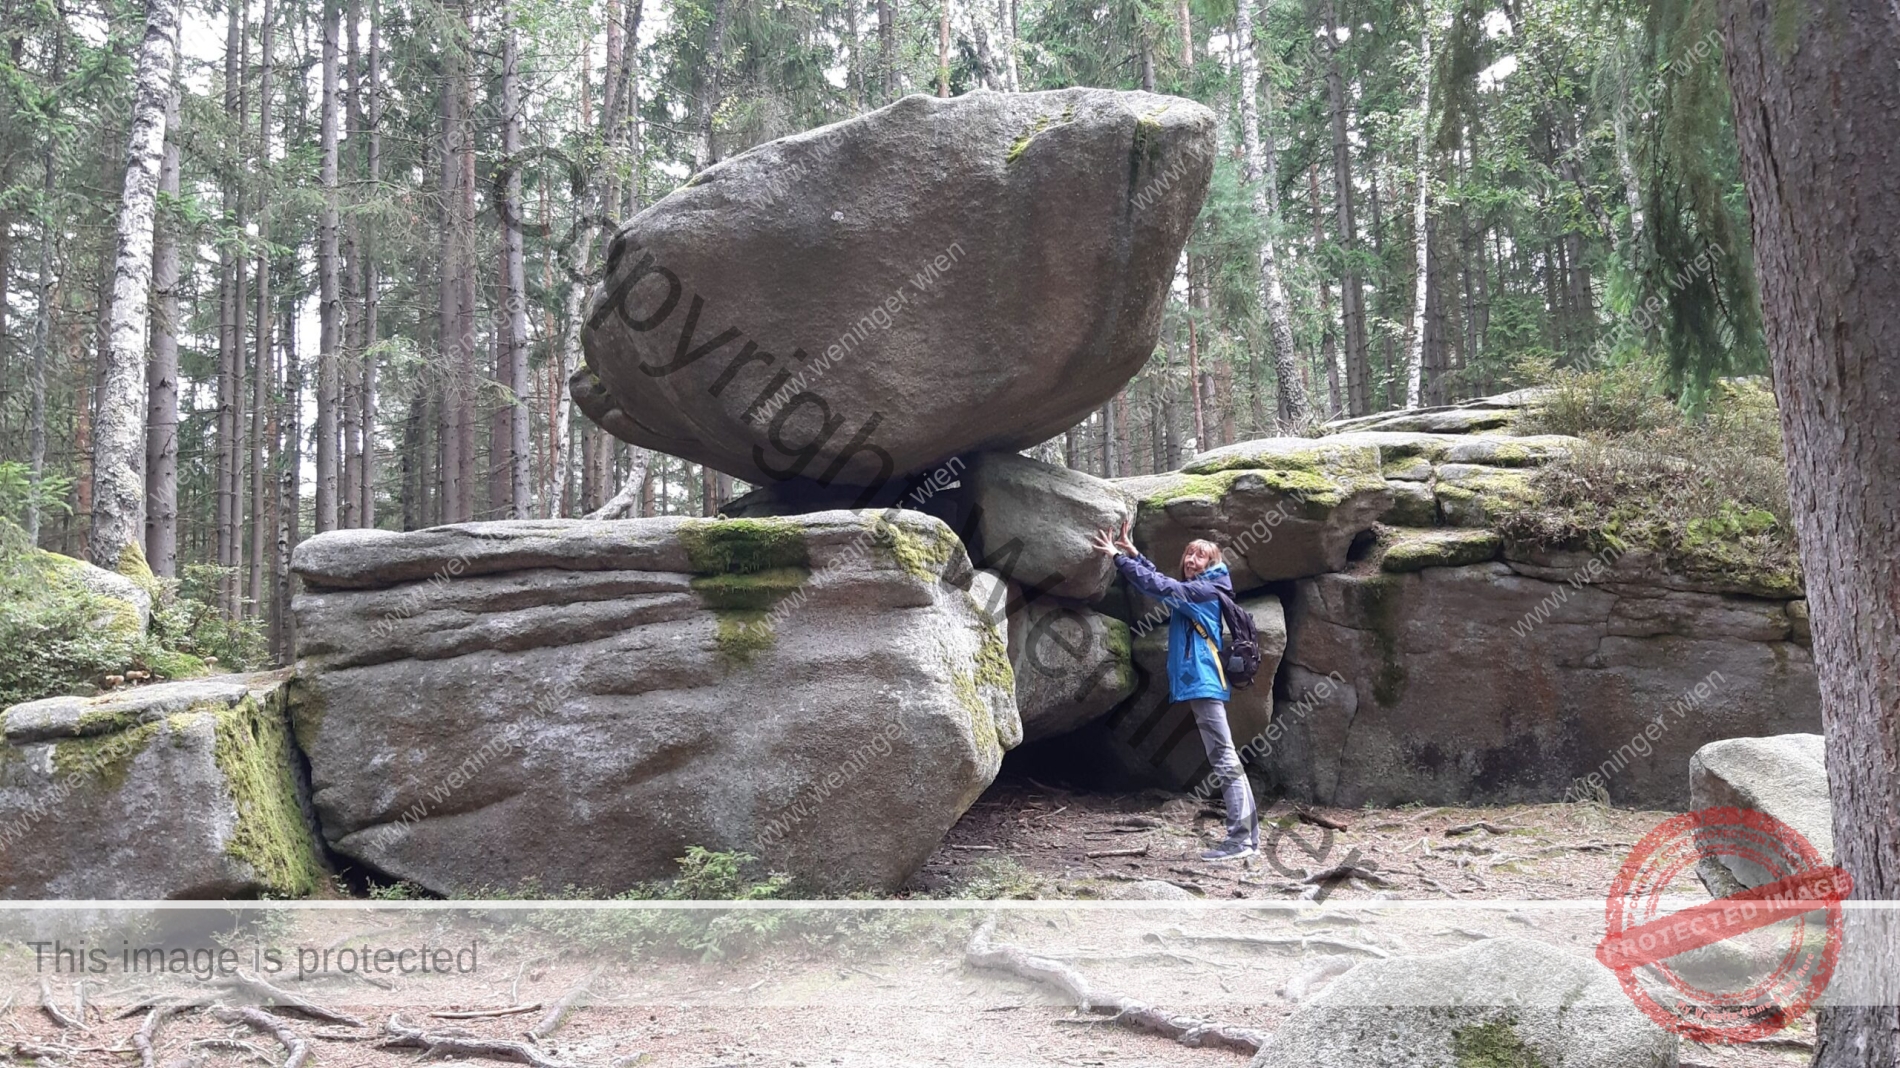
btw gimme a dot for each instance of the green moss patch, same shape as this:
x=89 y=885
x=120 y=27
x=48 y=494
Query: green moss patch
x=923 y=556
x=744 y=546
x=1492 y=1045
x=754 y=591
x=742 y=635
x=1120 y=644
x=1415 y=550
x=253 y=751
x=105 y=760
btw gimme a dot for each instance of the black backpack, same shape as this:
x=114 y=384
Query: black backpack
x=1240 y=653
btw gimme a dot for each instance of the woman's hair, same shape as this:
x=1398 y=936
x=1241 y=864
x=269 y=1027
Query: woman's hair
x=1207 y=549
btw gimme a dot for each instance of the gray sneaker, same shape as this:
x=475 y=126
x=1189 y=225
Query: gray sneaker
x=1232 y=849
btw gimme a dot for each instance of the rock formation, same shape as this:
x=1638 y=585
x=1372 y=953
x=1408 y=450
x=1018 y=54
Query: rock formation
x=1502 y=1001
x=1784 y=776
x=822 y=692
x=176 y=790
x=866 y=300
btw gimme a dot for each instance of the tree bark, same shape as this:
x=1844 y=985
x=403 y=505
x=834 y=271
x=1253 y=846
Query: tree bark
x=329 y=288
x=887 y=48
x=943 y=49
x=704 y=155
x=118 y=515
x=1415 y=353
x=1261 y=175
x=515 y=284
x=1352 y=308
x=262 y=352
x=43 y=323
x=1329 y=355
x=231 y=317
x=372 y=280
x=1815 y=94
x=161 y=405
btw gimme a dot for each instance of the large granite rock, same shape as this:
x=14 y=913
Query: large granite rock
x=572 y=703
x=1279 y=508
x=1783 y=776
x=176 y=790
x=1500 y=1002
x=978 y=273
x=1150 y=740
x=1035 y=523
x=1072 y=665
x=1532 y=678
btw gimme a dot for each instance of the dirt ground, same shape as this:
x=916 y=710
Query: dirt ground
x=1073 y=875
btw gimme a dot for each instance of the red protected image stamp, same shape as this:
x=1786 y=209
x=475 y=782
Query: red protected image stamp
x=1739 y=967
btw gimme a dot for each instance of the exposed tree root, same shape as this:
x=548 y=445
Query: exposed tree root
x=462 y=1044
x=58 y=1014
x=274 y=997
x=148 y=1034
x=294 y=1044
x=484 y=1014
x=1125 y=1012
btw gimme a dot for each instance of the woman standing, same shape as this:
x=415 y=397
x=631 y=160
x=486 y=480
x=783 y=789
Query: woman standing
x=1195 y=673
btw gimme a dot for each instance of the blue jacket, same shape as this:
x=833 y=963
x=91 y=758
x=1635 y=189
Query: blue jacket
x=1194 y=670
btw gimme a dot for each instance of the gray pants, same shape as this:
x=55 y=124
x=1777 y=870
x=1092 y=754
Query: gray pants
x=1242 y=820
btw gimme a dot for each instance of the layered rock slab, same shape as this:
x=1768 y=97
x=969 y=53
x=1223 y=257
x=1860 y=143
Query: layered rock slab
x=1483 y=683
x=181 y=790
x=990 y=269
x=571 y=703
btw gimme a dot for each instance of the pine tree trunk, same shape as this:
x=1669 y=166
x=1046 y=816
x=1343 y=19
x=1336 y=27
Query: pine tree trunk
x=118 y=515
x=372 y=280
x=329 y=288
x=161 y=408
x=887 y=48
x=262 y=373
x=943 y=49
x=231 y=317
x=1415 y=354
x=1352 y=309
x=1262 y=177
x=1814 y=98
x=515 y=288
x=1329 y=356
x=289 y=500
x=42 y=328
x=705 y=154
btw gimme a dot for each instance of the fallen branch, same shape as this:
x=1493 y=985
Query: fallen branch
x=148 y=1034
x=273 y=997
x=1479 y=825
x=984 y=848
x=562 y=1009
x=1125 y=1012
x=442 y=1043
x=58 y=1014
x=484 y=1014
x=1098 y=854
x=1318 y=820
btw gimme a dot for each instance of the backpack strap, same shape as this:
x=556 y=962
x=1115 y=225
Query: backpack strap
x=1213 y=649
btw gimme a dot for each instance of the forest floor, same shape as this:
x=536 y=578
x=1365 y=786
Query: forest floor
x=879 y=984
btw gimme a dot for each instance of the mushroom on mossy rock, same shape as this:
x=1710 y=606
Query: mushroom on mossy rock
x=184 y=790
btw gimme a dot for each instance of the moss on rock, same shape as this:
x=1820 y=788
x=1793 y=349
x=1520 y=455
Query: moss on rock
x=1493 y=1045
x=743 y=546
x=1415 y=550
x=252 y=748
x=104 y=759
x=923 y=557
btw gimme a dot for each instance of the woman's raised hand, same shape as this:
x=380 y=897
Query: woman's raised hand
x=1125 y=542
x=1103 y=543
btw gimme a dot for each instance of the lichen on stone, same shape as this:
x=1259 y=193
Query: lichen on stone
x=1415 y=550
x=103 y=759
x=923 y=557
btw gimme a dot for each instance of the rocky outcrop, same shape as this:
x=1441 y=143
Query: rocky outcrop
x=1783 y=776
x=1502 y=1001
x=981 y=272
x=570 y=703
x=1279 y=508
x=1151 y=740
x=1531 y=677
x=177 y=790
